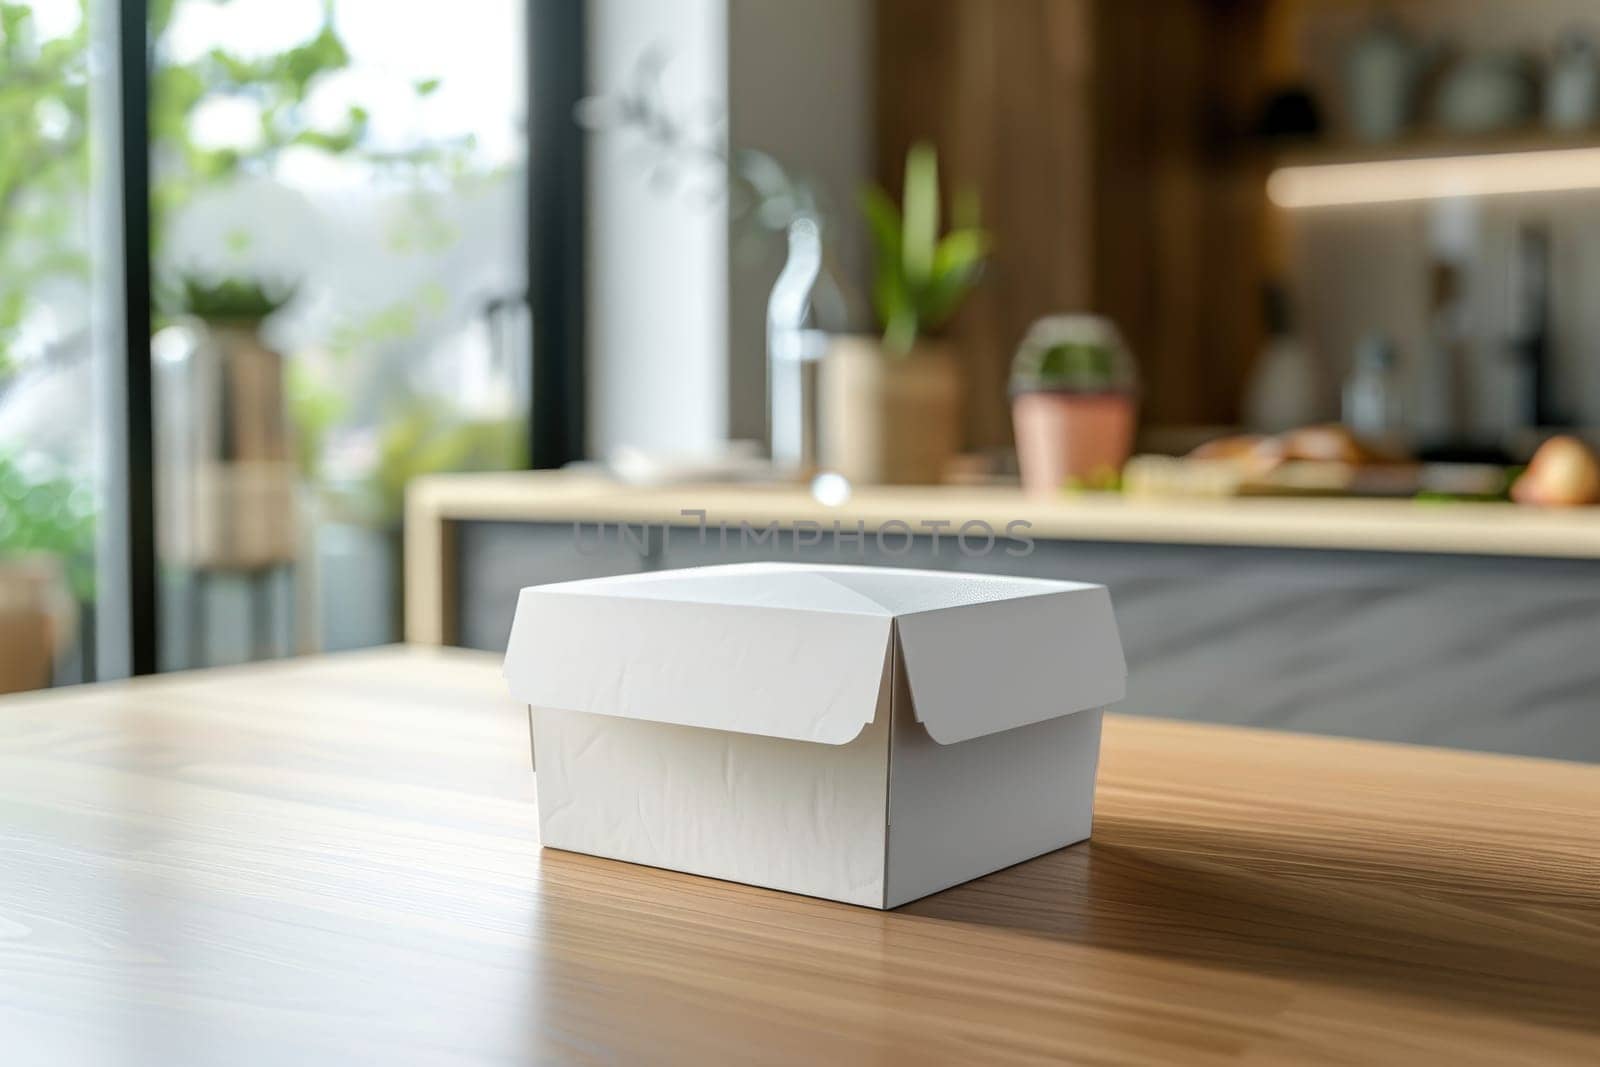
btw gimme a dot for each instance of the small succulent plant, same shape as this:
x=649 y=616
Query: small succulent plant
x=1073 y=353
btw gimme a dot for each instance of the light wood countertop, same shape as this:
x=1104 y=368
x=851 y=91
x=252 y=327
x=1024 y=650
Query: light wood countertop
x=1382 y=525
x=435 y=502
x=336 y=860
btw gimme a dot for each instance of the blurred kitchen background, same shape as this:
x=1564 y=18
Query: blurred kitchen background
x=1275 y=315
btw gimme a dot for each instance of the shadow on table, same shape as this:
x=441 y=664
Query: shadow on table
x=1441 y=928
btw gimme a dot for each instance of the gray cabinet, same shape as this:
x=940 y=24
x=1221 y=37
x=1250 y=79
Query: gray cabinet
x=1478 y=652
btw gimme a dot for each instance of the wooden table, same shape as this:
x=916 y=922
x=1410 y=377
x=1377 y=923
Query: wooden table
x=336 y=860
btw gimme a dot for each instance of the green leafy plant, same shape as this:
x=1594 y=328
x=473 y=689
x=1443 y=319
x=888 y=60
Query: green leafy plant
x=316 y=408
x=44 y=186
x=230 y=299
x=422 y=435
x=688 y=147
x=45 y=134
x=279 y=85
x=45 y=510
x=44 y=163
x=921 y=278
x=1077 y=365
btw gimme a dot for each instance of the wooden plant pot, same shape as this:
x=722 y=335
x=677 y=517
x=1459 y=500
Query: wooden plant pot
x=889 y=420
x=226 y=489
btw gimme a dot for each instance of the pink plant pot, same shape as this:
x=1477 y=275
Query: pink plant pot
x=1063 y=437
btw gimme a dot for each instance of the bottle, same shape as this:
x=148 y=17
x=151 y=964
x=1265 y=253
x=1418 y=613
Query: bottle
x=809 y=305
x=1572 y=84
x=793 y=345
x=1282 y=392
x=1373 y=406
x=1443 y=410
x=1530 y=392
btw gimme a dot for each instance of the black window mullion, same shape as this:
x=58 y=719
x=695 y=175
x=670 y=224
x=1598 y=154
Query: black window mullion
x=556 y=74
x=127 y=603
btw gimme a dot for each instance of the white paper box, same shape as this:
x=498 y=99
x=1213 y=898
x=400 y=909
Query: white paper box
x=866 y=734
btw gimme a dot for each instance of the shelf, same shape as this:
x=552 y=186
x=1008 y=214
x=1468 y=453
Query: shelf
x=1430 y=146
x=1334 y=175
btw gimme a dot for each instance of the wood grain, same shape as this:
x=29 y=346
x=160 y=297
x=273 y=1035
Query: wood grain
x=1108 y=143
x=336 y=860
x=1178 y=200
x=1003 y=91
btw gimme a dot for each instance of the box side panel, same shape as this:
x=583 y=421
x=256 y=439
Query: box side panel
x=960 y=811
x=791 y=815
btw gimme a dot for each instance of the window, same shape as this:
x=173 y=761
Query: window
x=328 y=202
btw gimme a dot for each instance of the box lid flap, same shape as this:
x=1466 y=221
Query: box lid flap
x=792 y=655
x=979 y=667
x=780 y=585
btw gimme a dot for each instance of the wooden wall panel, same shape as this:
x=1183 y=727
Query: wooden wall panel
x=1003 y=90
x=1105 y=138
x=1178 y=195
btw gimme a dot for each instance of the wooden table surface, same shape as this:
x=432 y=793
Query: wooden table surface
x=336 y=860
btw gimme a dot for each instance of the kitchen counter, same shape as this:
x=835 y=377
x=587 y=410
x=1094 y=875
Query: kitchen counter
x=1359 y=524
x=1456 y=624
x=337 y=860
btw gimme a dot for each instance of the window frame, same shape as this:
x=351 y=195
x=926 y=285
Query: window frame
x=128 y=602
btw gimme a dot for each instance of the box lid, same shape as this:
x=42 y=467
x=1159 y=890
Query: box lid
x=801 y=651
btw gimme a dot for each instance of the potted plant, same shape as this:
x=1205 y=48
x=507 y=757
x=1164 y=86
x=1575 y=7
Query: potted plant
x=1074 y=402
x=46 y=565
x=891 y=406
x=228 y=477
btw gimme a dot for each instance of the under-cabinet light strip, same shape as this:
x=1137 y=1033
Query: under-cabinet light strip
x=1385 y=181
